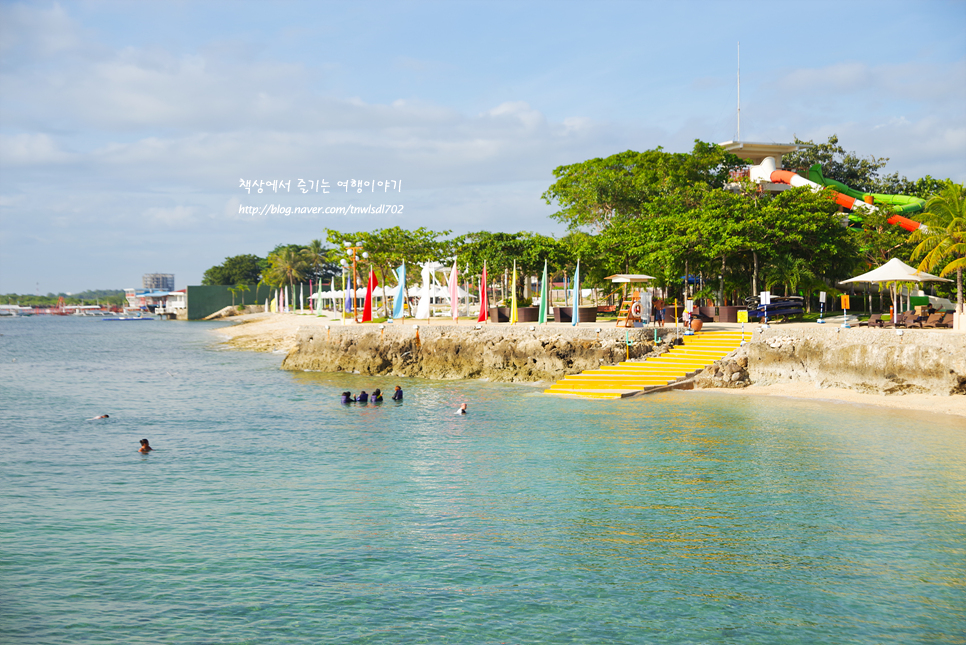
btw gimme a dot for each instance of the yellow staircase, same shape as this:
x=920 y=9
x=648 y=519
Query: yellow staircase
x=628 y=378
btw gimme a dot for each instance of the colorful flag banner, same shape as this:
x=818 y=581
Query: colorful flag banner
x=484 y=301
x=423 y=308
x=454 y=302
x=513 y=296
x=399 y=305
x=348 y=295
x=543 y=296
x=370 y=288
x=575 y=309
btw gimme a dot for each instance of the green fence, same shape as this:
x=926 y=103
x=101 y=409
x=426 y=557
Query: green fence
x=206 y=300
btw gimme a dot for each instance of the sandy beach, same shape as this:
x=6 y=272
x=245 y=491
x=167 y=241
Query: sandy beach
x=279 y=333
x=951 y=405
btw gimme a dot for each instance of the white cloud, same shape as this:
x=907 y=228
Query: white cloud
x=31 y=149
x=176 y=216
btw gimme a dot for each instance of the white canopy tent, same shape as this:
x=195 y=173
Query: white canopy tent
x=895 y=270
x=629 y=277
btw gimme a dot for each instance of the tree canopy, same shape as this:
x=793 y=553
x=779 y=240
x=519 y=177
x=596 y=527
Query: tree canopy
x=237 y=269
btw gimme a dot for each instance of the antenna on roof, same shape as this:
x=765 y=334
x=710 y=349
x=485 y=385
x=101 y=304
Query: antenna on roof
x=739 y=91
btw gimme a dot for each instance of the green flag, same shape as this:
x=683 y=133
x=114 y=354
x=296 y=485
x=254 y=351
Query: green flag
x=543 y=296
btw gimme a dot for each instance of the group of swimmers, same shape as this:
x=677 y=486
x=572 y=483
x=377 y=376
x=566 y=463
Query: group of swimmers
x=375 y=397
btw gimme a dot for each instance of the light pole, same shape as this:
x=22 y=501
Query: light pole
x=352 y=250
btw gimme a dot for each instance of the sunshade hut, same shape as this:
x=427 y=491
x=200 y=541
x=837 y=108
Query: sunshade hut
x=894 y=271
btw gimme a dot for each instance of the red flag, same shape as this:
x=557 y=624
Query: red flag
x=483 y=300
x=370 y=288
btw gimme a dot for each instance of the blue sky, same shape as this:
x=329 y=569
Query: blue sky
x=126 y=126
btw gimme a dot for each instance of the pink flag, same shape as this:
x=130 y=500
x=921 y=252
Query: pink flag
x=454 y=303
x=483 y=300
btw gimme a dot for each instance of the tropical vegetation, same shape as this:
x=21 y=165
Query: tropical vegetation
x=686 y=218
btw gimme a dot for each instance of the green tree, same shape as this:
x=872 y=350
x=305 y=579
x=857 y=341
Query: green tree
x=319 y=259
x=390 y=247
x=943 y=246
x=860 y=173
x=287 y=266
x=237 y=269
x=238 y=288
x=600 y=192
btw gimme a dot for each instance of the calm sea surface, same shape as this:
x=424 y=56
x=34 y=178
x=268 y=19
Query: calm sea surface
x=270 y=513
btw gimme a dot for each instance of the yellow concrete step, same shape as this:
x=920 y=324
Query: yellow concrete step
x=593 y=383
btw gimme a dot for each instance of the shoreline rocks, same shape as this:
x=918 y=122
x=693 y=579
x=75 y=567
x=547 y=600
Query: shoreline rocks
x=869 y=361
x=501 y=354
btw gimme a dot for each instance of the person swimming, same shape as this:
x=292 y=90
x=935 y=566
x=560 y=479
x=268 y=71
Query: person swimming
x=363 y=397
x=348 y=398
x=376 y=396
x=103 y=416
x=397 y=395
x=462 y=409
x=145 y=447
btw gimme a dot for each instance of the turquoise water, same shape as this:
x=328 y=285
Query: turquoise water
x=270 y=513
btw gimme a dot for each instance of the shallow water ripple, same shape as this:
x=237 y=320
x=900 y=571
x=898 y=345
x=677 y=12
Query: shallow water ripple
x=269 y=512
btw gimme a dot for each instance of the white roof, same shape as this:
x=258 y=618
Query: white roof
x=895 y=270
x=630 y=277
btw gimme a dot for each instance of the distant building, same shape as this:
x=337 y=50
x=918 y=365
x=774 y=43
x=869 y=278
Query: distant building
x=158 y=281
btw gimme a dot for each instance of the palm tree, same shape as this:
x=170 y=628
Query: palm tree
x=239 y=288
x=944 y=244
x=788 y=270
x=316 y=255
x=287 y=266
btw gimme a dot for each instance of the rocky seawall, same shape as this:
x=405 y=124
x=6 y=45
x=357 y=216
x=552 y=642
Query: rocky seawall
x=512 y=354
x=871 y=361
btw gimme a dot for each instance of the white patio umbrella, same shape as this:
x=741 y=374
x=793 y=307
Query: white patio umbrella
x=895 y=270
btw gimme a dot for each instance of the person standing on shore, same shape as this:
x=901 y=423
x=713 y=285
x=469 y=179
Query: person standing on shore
x=397 y=395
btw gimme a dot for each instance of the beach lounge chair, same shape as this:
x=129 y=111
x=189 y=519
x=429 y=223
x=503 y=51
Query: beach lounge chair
x=906 y=319
x=933 y=320
x=947 y=320
x=875 y=320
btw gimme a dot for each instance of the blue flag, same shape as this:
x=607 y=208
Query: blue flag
x=349 y=295
x=398 y=307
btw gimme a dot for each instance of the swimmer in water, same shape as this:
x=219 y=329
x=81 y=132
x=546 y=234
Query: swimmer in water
x=363 y=397
x=348 y=398
x=145 y=446
x=462 y=409
x=376 y=396
x=103 y=416
x=397 y=395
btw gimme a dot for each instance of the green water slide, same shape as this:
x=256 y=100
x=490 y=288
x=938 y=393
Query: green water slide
x=903 y=204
